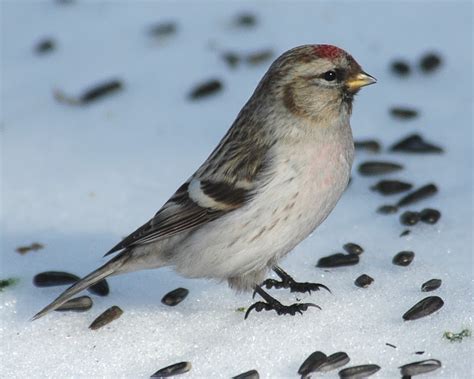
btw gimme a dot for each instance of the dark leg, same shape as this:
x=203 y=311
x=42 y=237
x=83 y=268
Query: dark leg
x=271 y=303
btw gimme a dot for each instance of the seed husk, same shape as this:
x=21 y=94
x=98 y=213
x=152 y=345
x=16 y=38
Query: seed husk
x=409 y=218
x=207 y=88
x=372 y=168
x=100 y=288
x=335 y=361
x=457 y=337
x=312 y=363
x=414 y=143
x=430 y=216
x=419 y=194
x=403 y=258
x=370 y=145
x=106 y=317
x=172 y=370
x=429 y=62
x=54 y=278
x=405 y=233
x=338 y=260
x=403 y=113
x=252 y=374
x=424 y=308
x=44 y=46
x=4 y=283
x=387 y=209
x=420 y=367
x=431 y=285
x=246 y=20
x=391 y=187
x=163 y=29
x=400 y=67
x=363 y=281
x=35 y=246
x=358 y=372
x=389 y=344
x=353 y=248
x=92 y=94
x=78 y=304
x=175 y=297
x=259 y=56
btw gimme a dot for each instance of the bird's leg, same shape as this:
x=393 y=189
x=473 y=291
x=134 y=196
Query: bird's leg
x=288 y=282
x=271 y=303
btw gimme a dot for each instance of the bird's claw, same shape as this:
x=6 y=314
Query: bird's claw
x=279 y=308
x=293 y=285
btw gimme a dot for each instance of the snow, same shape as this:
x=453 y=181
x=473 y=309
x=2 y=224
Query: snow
x=77 y=179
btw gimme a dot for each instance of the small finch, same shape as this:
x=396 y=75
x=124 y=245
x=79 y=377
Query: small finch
x=273 y=178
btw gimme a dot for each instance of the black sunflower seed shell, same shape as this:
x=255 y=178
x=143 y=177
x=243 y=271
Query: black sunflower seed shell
x=205 y=89
x=419 y=194
x=54 y=278
x=414 y=143
x=353 y=248
x=338 y=260
x=387 y=209
x=403 y=113
x=403 y=258
x=163 y=29
x=424 y=308
x=421 y=367
x=106 y=317
x=363 y=281
x=312 y=363
x=175 y=297
x=431 y=285
x=358 y=372
x=430 y=216
x=400 y=67
x=391 y=187
x=78 y=304
x=335 y=361
x=372 y=168
x=429 y=62
x=252 y=374
x=172 y=370
x=101 y=90
x=370 y=145
x=409 y=218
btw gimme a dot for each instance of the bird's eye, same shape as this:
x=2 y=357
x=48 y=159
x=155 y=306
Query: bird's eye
x=329 y=76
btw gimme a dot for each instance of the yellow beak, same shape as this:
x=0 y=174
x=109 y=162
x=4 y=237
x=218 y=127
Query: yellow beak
x=360 y=80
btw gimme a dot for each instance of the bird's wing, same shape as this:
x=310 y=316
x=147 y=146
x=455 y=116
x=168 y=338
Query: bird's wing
x=195 y=203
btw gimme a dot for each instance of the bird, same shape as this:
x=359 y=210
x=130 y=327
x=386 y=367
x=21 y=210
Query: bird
x=274 y=177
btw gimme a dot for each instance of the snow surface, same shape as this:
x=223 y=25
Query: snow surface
x=77 y=179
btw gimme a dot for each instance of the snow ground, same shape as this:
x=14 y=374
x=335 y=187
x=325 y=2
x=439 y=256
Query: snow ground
x=77 y=179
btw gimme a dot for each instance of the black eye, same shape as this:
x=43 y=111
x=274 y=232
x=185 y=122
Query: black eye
x=329 y=76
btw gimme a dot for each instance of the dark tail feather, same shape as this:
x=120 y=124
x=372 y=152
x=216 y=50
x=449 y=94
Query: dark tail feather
x=102 y=272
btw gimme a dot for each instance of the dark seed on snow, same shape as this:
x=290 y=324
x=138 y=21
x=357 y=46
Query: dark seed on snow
x=368 y=145
x=400 y=67
x=430 y=216
x=430 y=62
x=78 y=304
x=431 y=285
x=54 y=278
x=424 y=308
x=100 y=288
x=108 y=316
x=419 y=352
x=163 y=29
x=363 y=281
x=389 y=344
x=418 y=195
x=259 y=57
x=353 y=248
x=371 y=168
x=176 y=369
x=252 y=374
x=358 y=372
x=409 y=218
x=414 y=143
x=421 y=367
x=100 y=90
x=335 y=361
x=403 y=258
x=232 y=59
x=175 y=297
x=205 y=89
x=405 y=233
x=338 y=260
x=312 y=363
x=45 y=46
x=403 y=113
x=391 y=187
x=246 y=20
x=387 y=209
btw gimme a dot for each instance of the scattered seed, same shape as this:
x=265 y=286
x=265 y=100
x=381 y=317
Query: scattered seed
x=252 y=374
x=430 y=216
x=35 y=246
x=400 y=67
x=175 y=297
x=431 y=285
x=389 y=344
x=107 y=317
x=92 y=94
x=419 y=352
x=335 y=361
x=391 y=187
x=312 y=363
x=54 y=278
x=353 y=248
x=232 y=59
x=414 y=143
x=371 y=168
x=403 y=113
x=370 y=145
x=430 y=62
x=363 y=281
x=403 y=258
x=409 y=218
x=338 y=260
x=259 y=57
x=424 y=308
x=78 y=304
x=421 y=367
x=100 y=288
x=4 y=283
x=405 y=233
x=387 y=209
x=457 y=337
x=358 y=372
x=163 y=29
x=418 y=195
x=246 y=20
x=46 y=45
x=176 y=369
x=205 y=89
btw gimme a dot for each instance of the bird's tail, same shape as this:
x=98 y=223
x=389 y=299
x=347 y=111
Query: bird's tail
x=102 y=272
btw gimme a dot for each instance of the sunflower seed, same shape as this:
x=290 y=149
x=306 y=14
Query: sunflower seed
x=163 y=29
x=78 y=304
x=205 y=89
x=405 y=233
x=353 y=248
x=175 y=297
x=421 y=367
x=232 y=59
x=430 y=62
x=35 y=246
x=430 y=216
x=403 y=258
x=335 y=361
x=400 y=67
x=403 y=113
x=246 y=20
x=424 y=308
x=363 y=281
x=421 y=193
x=419 y=352
x=92 y=94
x=387 y=209
x=409 y=218
x=100 y=288
x=414 y=143
x=338 y=260
x=358 y=372
x=176 y=369
x=431 y=285
x=45 y=46
x=370 y=145
x=108 y=316
x=259 y=57
x=391 y=187
x=312 y=363
x=54 y=278
x=252 y=374
x=372 y=168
